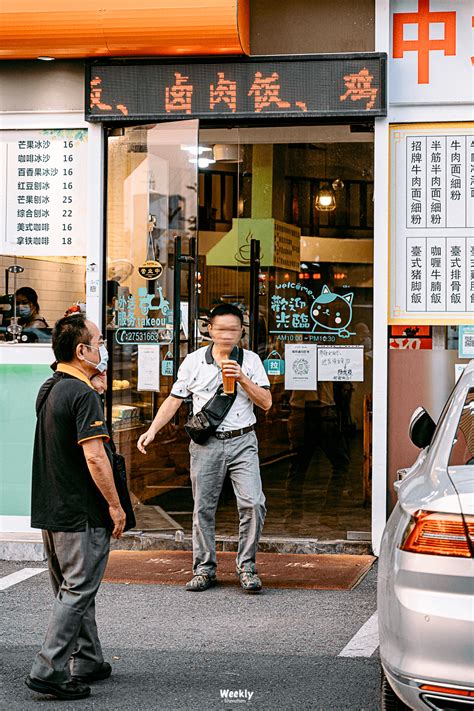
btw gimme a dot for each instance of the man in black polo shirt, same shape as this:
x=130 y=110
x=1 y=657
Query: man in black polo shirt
x=75 y=502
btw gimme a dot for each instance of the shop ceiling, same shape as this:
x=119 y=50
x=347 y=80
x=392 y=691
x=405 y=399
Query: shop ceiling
x=285 y=134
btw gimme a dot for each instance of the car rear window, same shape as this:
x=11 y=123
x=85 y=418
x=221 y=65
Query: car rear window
x=462 y=450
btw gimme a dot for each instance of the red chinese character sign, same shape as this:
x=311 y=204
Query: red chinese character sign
x=43 y=180
x=432 y=224
x=432 y=48
x=353 y=85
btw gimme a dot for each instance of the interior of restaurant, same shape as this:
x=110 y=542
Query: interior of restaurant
x=307 y=194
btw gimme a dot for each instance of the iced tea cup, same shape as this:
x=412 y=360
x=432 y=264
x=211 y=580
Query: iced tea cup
x=228 y=381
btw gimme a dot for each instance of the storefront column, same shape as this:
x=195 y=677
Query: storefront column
x=95 y=223
x=381 y=225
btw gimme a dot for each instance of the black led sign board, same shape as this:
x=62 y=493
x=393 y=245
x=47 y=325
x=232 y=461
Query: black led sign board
x=276 y=87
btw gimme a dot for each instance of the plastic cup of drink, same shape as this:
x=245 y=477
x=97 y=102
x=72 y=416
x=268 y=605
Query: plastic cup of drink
x=228 y=382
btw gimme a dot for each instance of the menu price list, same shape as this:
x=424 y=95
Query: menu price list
x=46 y=192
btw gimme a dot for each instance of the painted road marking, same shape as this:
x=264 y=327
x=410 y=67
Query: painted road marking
x=19 y=576
x=365 y=641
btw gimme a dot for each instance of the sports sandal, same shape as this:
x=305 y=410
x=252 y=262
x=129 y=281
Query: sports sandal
x=200 y=582
x=249 y=580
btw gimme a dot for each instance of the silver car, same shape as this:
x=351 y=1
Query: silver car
x=426 y=566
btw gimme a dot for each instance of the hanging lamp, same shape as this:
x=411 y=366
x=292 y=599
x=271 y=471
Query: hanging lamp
x=325 y=200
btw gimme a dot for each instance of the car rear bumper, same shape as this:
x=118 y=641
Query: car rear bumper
x=426 y=617
x=411 y=691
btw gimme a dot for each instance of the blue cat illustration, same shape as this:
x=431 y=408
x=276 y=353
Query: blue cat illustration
x=332 y=313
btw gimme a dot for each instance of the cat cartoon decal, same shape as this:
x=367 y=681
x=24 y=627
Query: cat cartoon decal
x=332 y=313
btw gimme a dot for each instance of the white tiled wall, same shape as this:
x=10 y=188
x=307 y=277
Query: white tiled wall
x=58 y=283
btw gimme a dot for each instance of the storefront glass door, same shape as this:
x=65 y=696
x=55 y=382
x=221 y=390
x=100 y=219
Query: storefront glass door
x=151 y=243
x=314 y=311
x=311 y=320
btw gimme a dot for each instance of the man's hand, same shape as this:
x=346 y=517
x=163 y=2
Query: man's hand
x=232 y=369
x=99 y=382
x=144 y=440
x=167 y=410
x=117 y=514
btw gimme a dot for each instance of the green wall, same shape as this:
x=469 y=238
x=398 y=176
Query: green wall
x=19 y=385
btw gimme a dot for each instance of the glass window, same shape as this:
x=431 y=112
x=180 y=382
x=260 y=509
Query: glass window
x=35 y=292
x=462 y=452
x=43 y=238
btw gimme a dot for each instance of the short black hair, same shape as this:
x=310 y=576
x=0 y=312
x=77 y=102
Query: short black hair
x=68 y=332
x=225 y=310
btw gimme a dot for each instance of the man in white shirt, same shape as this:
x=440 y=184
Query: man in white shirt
x=233 y=448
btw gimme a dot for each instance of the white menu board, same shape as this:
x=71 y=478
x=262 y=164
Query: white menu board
x=341 y=363
x=300 y=366
x=432 y=224
x=43 y=180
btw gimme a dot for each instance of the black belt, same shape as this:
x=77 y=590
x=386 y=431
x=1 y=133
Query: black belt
x=234 y=433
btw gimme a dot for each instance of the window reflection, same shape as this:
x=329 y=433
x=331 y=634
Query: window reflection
x=34 y=298
x=462 y=452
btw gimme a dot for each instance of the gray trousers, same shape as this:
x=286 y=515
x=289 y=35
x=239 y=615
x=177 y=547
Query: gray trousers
x=76 y=563
x=210 y=463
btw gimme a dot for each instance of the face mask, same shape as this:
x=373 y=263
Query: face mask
x=104 y=358
x=23 y=311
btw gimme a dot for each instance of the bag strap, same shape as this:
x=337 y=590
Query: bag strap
x=229 y=398
x=46 y=395
x=240 y=355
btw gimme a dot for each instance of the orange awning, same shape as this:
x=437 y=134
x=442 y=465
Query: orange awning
x=123 y=28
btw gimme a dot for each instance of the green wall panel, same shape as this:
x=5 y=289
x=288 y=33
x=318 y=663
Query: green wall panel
x=19 y=385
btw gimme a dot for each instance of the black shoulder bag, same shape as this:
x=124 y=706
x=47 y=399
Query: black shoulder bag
x=119 y=472
x=120 y=481
x=205 y=422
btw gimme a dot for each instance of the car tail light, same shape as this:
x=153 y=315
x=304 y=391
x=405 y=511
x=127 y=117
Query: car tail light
x=438 y=534
x=447 y=690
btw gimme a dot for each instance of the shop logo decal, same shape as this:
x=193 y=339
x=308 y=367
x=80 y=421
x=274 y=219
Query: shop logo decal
x=310 y=318
x=150 y=270
x=332 y=313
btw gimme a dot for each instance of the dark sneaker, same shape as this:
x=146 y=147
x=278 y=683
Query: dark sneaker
x=200 y=582
x=67 y=690
x=103 y=671
x=249 y=580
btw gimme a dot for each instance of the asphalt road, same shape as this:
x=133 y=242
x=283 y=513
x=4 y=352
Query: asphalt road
x=174 y=650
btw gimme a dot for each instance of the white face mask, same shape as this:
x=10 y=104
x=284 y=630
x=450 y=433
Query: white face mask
x=104 y=357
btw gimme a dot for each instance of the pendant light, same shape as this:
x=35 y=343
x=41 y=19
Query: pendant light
x=325 y=200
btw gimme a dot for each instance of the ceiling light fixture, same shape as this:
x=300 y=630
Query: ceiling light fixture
x=325 y=200
x=47 y=59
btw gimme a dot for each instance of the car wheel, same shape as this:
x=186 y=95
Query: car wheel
x=390 y=701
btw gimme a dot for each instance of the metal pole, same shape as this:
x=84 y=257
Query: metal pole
x=176 y=311
x=254 y=272
x=192 y=295
x=176 y=304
